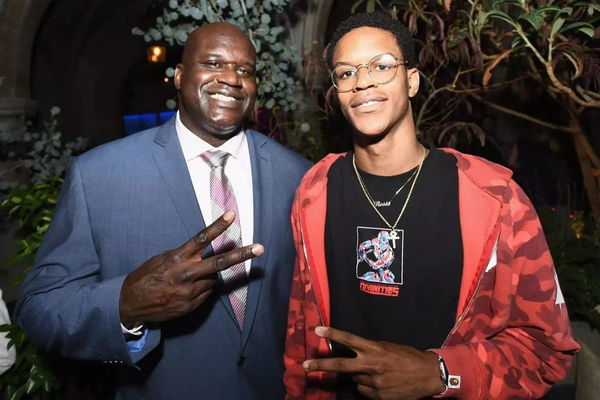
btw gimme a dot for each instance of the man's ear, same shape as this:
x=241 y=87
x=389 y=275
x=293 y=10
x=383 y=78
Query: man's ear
x=177 y=76
x=414 y=80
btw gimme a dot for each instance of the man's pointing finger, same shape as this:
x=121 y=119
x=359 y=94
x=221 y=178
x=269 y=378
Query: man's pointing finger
x=200 y=241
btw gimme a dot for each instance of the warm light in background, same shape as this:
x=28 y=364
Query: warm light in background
x=166 y=79
x=156 y=54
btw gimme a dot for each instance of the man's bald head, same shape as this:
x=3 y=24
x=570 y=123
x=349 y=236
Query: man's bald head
x=209 y=32
x=216 y=81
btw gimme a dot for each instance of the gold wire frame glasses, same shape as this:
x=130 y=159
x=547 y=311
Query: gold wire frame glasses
x=381 y=69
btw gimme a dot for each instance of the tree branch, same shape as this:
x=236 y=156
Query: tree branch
x=499 y=85
x=567 y=90
x=521 y=115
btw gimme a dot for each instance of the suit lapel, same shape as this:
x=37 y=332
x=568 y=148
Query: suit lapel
x=262 y=188
x=175 y=175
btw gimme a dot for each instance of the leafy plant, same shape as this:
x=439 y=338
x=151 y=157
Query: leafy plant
x=40 y=151
x=42 y=154
x=30 y=377
x=574 y=242
x=33 y=207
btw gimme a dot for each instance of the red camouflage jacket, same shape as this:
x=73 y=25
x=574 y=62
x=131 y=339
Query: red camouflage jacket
x=512 y=337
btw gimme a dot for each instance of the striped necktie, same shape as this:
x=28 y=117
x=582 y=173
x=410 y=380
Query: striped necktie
x=223 y=199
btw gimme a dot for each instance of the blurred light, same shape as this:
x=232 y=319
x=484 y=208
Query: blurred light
x=156 y=54
x=138 y=122
x=166 y=79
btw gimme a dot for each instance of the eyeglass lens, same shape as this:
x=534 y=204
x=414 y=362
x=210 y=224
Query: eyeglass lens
x=381 y=69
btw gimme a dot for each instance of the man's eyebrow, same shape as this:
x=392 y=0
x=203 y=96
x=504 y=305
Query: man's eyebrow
x=343 y=63
x=221 y=57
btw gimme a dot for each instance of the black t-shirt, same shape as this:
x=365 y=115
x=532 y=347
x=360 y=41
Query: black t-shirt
x=402 y=286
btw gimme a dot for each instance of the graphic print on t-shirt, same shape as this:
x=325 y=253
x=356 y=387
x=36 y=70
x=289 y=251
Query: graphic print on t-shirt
x=380 y=260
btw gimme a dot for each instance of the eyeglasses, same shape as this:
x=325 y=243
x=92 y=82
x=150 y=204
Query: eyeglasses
x=382 y=69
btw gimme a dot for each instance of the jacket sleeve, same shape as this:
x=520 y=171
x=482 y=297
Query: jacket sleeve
x=65 y=305
x=519 y=341
x=295 y=344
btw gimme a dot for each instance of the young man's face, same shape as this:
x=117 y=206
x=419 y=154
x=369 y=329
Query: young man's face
x=375 y=109
x=216 y=82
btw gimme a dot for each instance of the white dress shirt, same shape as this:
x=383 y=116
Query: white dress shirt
x=238 y=170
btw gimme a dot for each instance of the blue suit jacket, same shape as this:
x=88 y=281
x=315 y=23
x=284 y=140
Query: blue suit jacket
x=127 y=201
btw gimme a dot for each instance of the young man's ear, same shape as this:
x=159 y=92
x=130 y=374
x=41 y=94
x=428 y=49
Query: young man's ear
x=414 y=80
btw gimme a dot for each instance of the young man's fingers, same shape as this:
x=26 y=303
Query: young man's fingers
x=354 y=342
x=334 y=365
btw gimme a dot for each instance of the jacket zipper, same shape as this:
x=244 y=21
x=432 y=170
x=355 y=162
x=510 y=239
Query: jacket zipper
x=464 y=313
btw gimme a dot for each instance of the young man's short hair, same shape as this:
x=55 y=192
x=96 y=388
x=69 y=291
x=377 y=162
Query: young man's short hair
x=379 y=20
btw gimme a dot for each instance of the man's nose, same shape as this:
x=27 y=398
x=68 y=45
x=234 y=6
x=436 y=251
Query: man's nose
x=363 y=79
x=230 y=77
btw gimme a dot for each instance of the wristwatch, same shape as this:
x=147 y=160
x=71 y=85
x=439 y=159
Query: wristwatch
x=443 y=372
x=449 y=381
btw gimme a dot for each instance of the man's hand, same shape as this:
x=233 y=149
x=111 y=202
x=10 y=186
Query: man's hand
x=177 y=281
x=382 y=370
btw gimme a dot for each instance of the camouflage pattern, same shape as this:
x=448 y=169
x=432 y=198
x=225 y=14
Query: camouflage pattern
x=512 y=337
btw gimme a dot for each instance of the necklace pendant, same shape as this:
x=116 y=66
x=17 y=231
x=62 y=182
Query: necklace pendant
x=393 y=237
x=382 y=203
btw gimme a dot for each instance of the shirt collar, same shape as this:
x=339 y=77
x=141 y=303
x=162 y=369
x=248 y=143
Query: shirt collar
x=192 y=146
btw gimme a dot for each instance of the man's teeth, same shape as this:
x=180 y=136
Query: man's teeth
x=222 y=97
x=369 y=103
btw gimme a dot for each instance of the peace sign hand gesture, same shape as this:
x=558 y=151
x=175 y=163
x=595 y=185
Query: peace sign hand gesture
x=177 y=281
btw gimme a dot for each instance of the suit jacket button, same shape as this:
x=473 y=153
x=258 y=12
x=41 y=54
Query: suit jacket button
x=241 y=361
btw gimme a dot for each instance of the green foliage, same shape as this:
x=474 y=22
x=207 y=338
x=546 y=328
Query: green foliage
x=42 y=154
x=546 y=23
x=370 y=5
x=574 y=242
x=260 y=19
x=30 y=377
x=33 y=207
x=39 y=150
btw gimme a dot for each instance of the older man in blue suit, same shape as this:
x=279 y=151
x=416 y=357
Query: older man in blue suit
x=151 y=263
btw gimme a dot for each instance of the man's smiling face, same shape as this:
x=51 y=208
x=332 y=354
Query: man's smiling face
x=216 y=81
x=375 y=109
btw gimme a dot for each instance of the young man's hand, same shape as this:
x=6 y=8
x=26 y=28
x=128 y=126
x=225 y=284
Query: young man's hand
x=382 y=370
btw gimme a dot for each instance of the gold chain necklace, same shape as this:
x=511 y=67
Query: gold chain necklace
x=372 y=203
